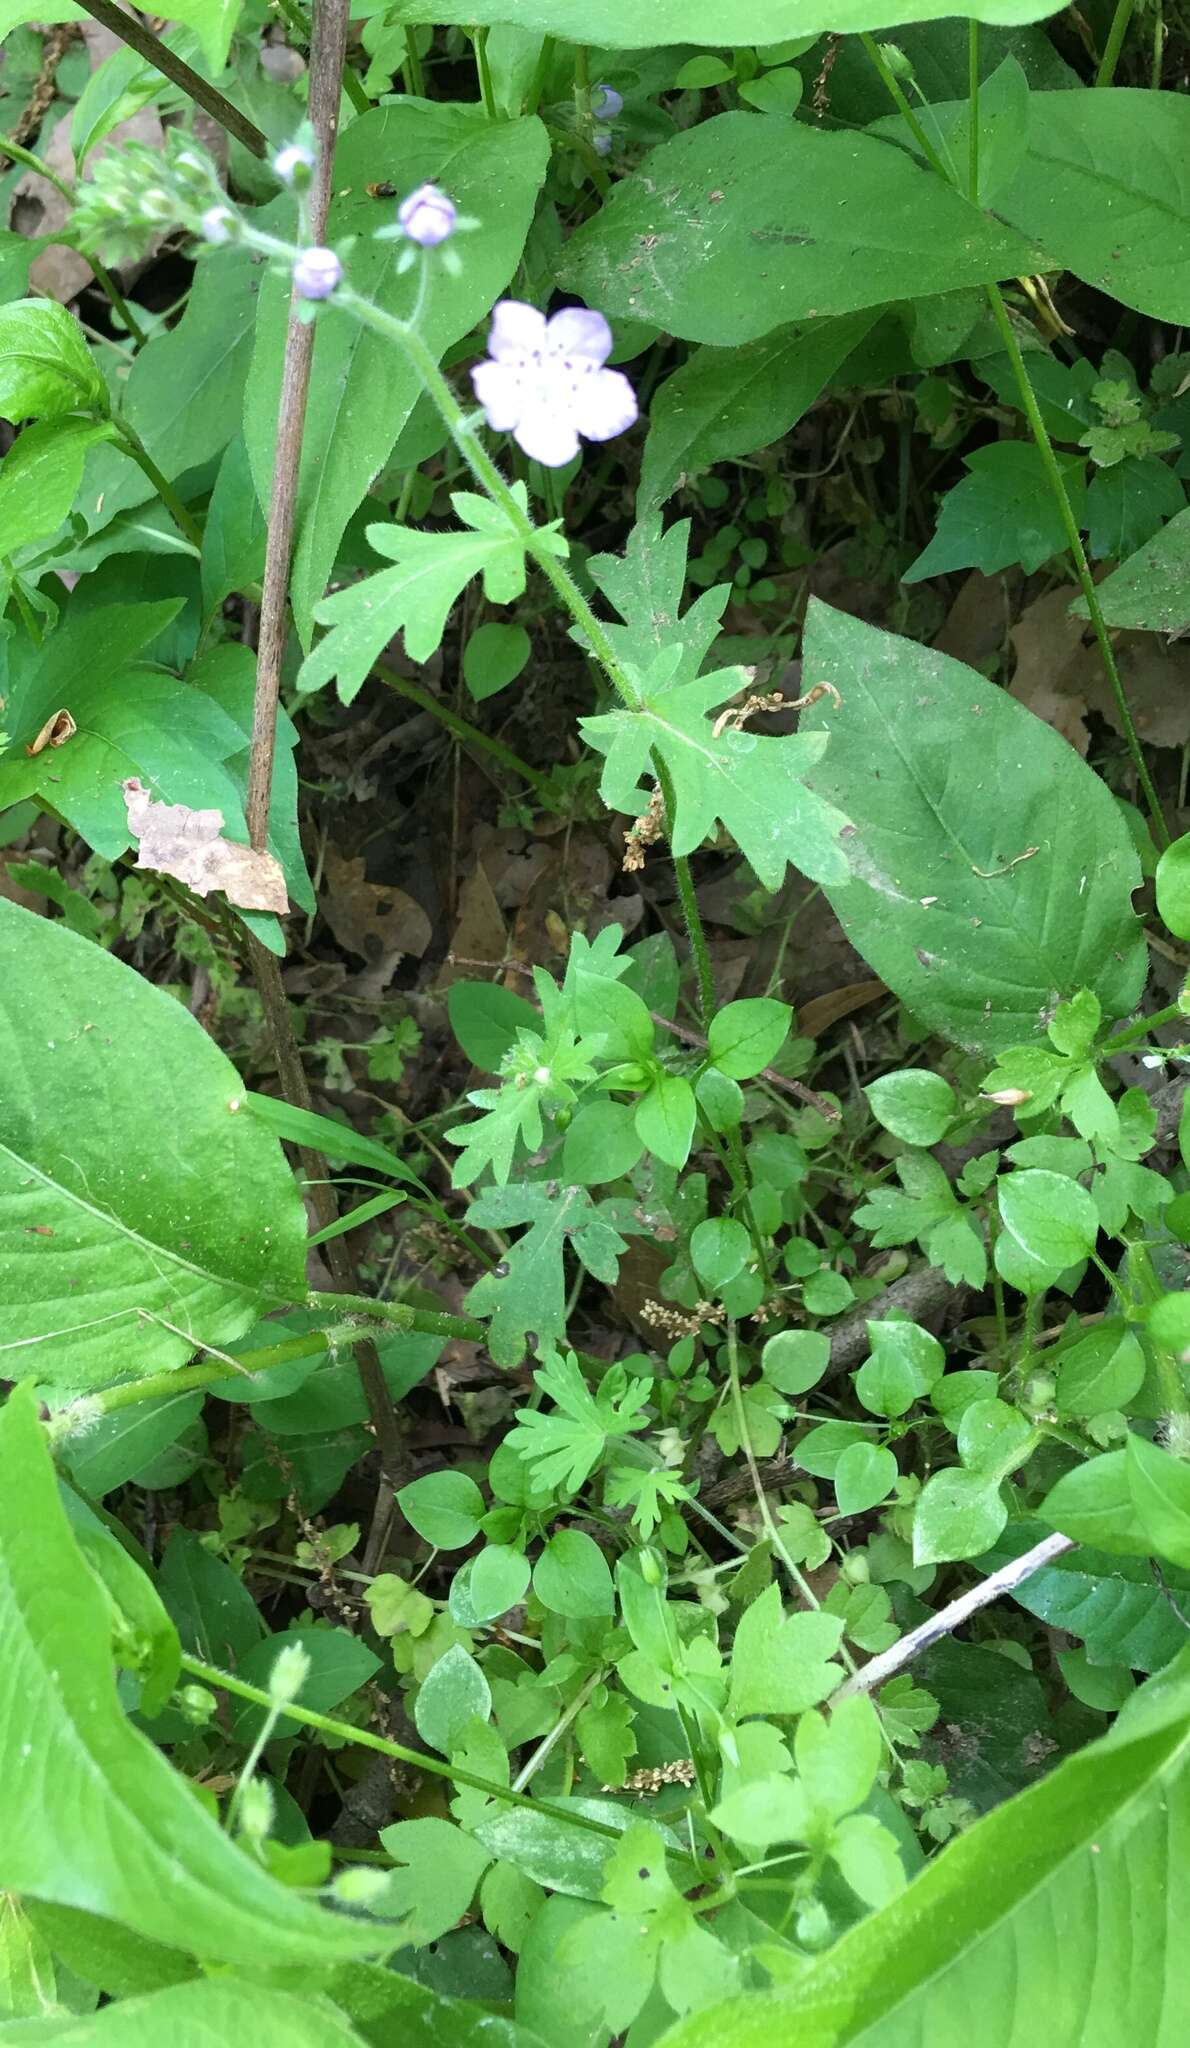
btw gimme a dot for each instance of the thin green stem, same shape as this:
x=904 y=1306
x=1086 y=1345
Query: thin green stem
x=893 y=88
x=691 y=917
x=540 y=73
x=973 y=111
x=353 y=86
x=484 y=73
x=411 y=71
x=1143 y=1028
x=745 y=1436
x=134 y=447
x=1115 y=41
x=470 y=735
x=364 y=1738
x=29 y=618
x=206 y=1372
x=1057 y=484
x=427 y=1322
x=550 y=1741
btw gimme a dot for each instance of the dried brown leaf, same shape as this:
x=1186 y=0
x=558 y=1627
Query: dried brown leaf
x=174 y=840
x=1060 y=676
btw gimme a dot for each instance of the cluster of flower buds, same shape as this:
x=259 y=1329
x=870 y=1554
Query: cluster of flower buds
x=137 y=192
x=606 y=106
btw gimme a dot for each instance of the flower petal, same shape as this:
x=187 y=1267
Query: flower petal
x=516 y=331
x=604 y=404
x=500 y=389
x=546 y=435
x=577 y=331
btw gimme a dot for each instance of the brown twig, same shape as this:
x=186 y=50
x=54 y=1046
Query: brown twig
x=131 y=30
x=880 y=1668
x=775 y=1080
x=327 y=51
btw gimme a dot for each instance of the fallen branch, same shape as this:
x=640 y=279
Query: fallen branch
x=944 y=1623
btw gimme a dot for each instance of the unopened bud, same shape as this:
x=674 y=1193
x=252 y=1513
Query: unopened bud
x=317 y=273
x=652 y=1570
x=294 y=165
x=219 y=224
x=1008 y=1098
x=288 y=1675
x=606 y=102
x=256 y=1809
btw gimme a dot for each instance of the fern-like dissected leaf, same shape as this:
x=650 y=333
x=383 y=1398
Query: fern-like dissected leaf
x=415 y=597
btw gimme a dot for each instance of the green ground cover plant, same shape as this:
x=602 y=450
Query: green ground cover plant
x=619 y=1472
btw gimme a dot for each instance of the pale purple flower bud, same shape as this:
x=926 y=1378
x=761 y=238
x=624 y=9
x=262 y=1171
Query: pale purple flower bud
x=294 y=164
x=218 y=224
x=427 y=216
x=602 y=141
x=316 y=273
x=545 y=381
x=606 y=103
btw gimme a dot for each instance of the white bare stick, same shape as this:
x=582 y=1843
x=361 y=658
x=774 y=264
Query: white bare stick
x=944 y=1623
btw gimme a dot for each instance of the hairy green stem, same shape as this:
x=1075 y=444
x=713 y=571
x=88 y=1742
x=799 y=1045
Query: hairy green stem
x=416 y=1759
x=1120 y=22
x=691 y=916
x=540 y=73
x=893 y=88
x=1086 y=581
x=207 y=1372
x=1143 y=1028
x=134 y=447
x=400 y=1315
x=130 y=30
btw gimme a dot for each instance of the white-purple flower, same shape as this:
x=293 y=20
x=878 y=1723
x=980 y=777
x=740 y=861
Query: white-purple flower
x=602 y=141
x=316 y=273
x=428 y=217
x=218 y=224
x=294 y=164
x=545 y=381
x=606 y=103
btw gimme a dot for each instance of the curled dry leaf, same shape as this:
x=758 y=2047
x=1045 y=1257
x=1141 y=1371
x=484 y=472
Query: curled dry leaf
x=174 y=840
x=54 y=733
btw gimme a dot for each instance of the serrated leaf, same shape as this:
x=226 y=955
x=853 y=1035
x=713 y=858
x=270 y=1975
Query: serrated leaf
x=440 y=1867
x=1002 y=514
x=780 y=1662
x=415 y=597
x=979 y=934
x=529 y=1297
x=646 y=584
x=755 y=785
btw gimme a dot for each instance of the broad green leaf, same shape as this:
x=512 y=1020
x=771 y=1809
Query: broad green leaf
x=128 y=724
x=95 y=1817
x=664 y=1119
x=109 y=1956
x=415 y=597
x=601 y=1144
x=1002 y=514
x=440 y=1867
x=963 y=897
x=1160 y=1488
x=723 y=403
x=234 y=533
x=485 y=1018
x=40 y=477
x=958 y=1514
x=174 y=1215
x=906 y=1362
x=444 y=1507
x=571 y=1576
x=494 y=657
x=1173 y=887
x=114 y=1449
x=184 y=392
x=1052 y=1218
x=339 y=1664
x=154 y=1653
x=1104 y=1370
x=1093 y=1503
x=216 y=1616
x=454 y=1693
x=795 y=1360
x=498 y=1579
x=779 y=1662
x=362 y=391
x=1112 y=1603
x=740 y=225
x=620 y=24
x=566 y=1858
x=385 y=2006
x=1128 y=504
x=915 y=1105
x=969 y=1950
x=864 y=1475
x=198 y=2015
x=719 y=1248
x=1095 y=190
x=755 y=785
x=745 y=1037
x=46 y=368
x=1151 y=590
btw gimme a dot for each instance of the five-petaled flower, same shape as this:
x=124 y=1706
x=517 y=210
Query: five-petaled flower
x=316 y=273
x=545 y=381
x=427 y=216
